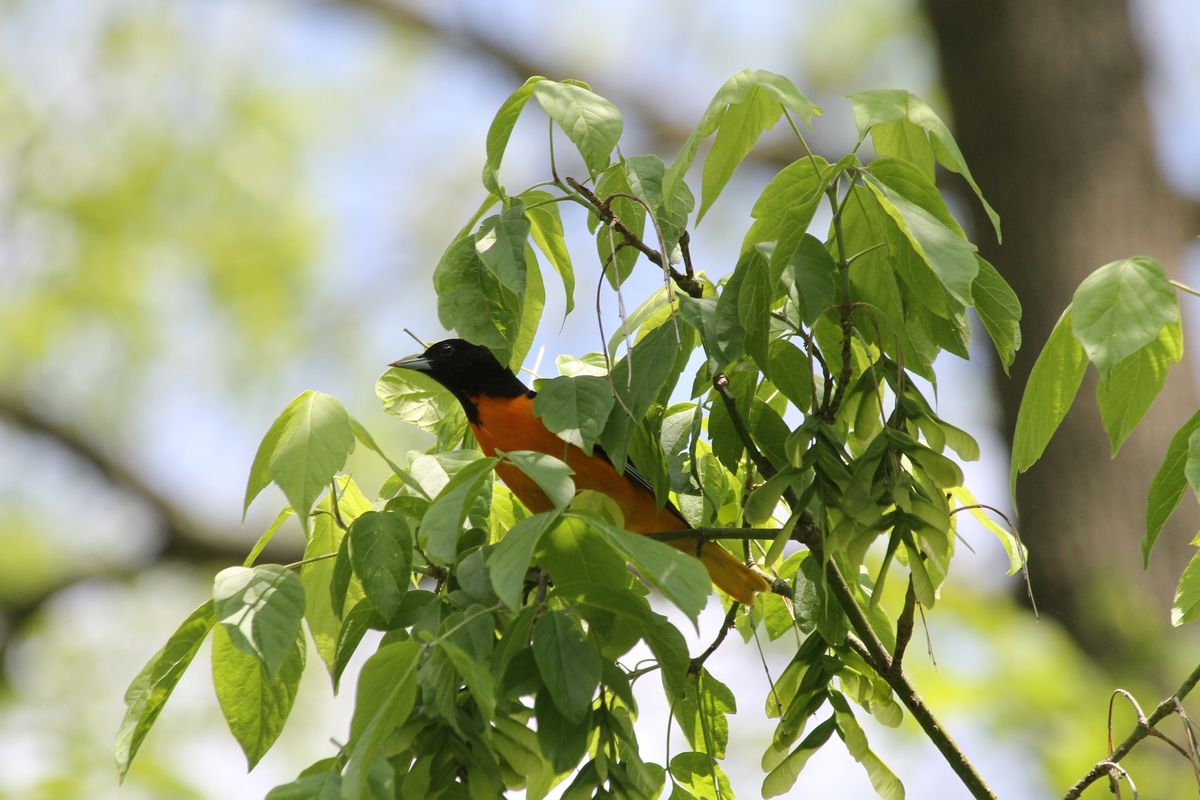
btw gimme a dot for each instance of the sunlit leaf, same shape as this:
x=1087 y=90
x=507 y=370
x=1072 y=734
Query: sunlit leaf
x=1120 y=308
x=149 y=691
x=1052 y=386
x=256 y=704
x=261 y=609
x=302 y=451
x=592 y=123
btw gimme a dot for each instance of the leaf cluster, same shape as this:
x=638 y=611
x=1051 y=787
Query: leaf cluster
x=503 y=634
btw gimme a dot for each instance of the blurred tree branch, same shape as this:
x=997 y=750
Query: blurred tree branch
x=665 y=132
x=182 y=538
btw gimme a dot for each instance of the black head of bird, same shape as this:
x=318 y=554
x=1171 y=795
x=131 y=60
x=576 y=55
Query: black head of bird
x=467 y=370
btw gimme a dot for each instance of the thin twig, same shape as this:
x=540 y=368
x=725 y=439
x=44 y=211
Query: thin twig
x=698 y=662
x=689 y=285
x=1140 y=732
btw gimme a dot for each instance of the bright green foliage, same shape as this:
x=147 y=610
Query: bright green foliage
x=304 y=447
x=1124 y=319
x=1167 y=488
x=153 y=685
x=575 y=408
x=1120 y=308
x=1128 y=388
x=260 y=609
x=504 y=660
x=1051 y=390
x=255 y=703
x=1187 y=595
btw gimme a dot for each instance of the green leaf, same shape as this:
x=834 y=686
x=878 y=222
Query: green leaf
x=887 y=105
x=475 y=672
x=782 y=778
x=148 y=692
x=473 y=302
x=562 y=742
x=999 y=310
x=744 y=87
x=1012 y=547
x=1168 y=485
x=381 y=551
x=509 y=560
x=1120 y=308
x=791 y=372
x=260 y=608
x=443 y=522
x=645 y=176
x=741 y=126
x=592 y=123
x=811 y=273
x=754 y=310
x=266 y=537
x=324 y=785
x=416 y=398
x=551 y=474
x=699 y=774
x=680 y=577
x=1126 y=391
x=500 y=243
x=902 y=140
x=547 y=231
x=568 y=663
x=638 y=379
x=784 y=210
x=302 y=451
x=722 y=340
x=703 y=712
x=387 y=690
x=324 y=623
x=1052 y=386
x=908 y=181
x=617 y=261
x=1186 y=607
x=500 y=131
x=574 y=409
x=944 y=250
x=532 y=304
x=255 y=704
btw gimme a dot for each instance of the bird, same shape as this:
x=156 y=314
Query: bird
x=499 y=409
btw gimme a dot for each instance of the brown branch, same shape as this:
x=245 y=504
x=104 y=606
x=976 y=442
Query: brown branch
x=603 y=209
x=697 y=663
x=1145 y=726
x=664 y=131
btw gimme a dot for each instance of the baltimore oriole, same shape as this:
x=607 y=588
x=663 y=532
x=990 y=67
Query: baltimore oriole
x=499 y=408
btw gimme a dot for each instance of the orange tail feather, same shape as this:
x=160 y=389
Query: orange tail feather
x=728 y=573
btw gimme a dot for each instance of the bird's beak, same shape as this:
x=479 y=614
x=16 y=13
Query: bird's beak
x=418 y=363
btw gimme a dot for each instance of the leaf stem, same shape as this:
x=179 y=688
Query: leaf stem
x=1183 y=287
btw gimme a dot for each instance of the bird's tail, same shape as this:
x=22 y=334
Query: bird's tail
x=728 y=573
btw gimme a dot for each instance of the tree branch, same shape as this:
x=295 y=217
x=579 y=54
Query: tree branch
x=603 y=209
x=873 y=651
x=1144 y=728
x=182 y=538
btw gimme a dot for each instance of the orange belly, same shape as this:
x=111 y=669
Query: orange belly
x=509 y=424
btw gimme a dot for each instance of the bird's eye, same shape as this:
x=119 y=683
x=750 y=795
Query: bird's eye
x=446 y=349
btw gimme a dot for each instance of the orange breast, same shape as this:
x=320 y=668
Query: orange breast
x=509 y=424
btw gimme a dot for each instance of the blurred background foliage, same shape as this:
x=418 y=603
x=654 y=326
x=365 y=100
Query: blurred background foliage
x=207 y=207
